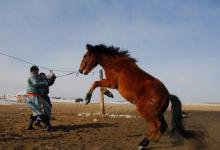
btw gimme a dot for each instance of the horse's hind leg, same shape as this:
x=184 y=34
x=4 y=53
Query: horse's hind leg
x=157 y=126
x=161 y=127
x=152 y=130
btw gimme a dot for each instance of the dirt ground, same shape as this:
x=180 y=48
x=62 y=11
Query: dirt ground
x=72 y=131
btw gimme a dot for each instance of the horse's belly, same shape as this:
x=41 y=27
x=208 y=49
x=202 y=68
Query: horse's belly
x=128 y=95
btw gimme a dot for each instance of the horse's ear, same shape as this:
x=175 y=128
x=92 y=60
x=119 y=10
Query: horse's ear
x=89 y=47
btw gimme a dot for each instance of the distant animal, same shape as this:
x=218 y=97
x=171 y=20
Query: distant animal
x=148 y=93
x=78 y=100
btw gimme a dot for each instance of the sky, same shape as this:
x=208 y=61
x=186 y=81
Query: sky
x=176 y=41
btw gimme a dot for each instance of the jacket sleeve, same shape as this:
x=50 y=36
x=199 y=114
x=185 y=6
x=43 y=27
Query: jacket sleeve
x=37 y=83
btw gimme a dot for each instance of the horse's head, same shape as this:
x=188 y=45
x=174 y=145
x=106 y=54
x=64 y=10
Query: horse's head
x=89 y=60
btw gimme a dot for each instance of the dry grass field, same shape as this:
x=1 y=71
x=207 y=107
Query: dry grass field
x=72 y=131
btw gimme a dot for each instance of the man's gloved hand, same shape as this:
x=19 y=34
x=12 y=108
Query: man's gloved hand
x=53 y=76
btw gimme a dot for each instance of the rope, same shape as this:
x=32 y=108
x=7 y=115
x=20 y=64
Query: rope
x=27 y=62
x=49 y=69
x=68 y=72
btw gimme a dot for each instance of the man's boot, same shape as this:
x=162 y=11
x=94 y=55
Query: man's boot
x=45 y=119
x=48 y=125
x=31 y=121
x=38 y=124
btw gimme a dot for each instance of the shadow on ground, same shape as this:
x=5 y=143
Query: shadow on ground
x=67 y=128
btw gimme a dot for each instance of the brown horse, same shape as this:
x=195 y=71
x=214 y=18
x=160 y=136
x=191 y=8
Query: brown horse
x=149 y=94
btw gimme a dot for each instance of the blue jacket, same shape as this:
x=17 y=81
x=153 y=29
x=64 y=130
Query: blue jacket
x=34 y=84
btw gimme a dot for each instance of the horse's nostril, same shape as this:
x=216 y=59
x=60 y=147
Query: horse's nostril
x=80 y=71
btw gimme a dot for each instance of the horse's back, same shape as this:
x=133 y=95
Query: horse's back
x=134 y=83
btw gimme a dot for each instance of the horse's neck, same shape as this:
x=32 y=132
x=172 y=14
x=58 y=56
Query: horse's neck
x=109 y=63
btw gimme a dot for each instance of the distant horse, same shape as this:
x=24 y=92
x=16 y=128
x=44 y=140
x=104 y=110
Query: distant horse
x=78 y=100
x=149 y=94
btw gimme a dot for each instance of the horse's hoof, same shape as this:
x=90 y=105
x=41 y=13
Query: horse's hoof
x=88 y=98
x=142 y=145
x=87 y=102
x=109 y=94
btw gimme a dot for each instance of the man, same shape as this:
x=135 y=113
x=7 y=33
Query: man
x=35 y=99
x=45 y=91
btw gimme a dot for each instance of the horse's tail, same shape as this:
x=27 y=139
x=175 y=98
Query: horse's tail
x=177 y=118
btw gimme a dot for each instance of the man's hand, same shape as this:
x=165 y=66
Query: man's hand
x=53 y=76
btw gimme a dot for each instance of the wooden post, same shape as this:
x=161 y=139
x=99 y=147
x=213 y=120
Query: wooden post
x=102 y=105
x=4 y=97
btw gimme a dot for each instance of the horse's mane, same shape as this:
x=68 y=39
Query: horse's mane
x=113 y=51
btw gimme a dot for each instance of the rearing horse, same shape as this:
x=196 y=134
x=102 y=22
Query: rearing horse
x=149 y=94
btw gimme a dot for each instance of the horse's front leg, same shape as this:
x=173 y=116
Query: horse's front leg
x=108 y=93
x=102 y=83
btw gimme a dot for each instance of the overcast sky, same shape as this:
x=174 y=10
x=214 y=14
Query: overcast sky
x=176 y=41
